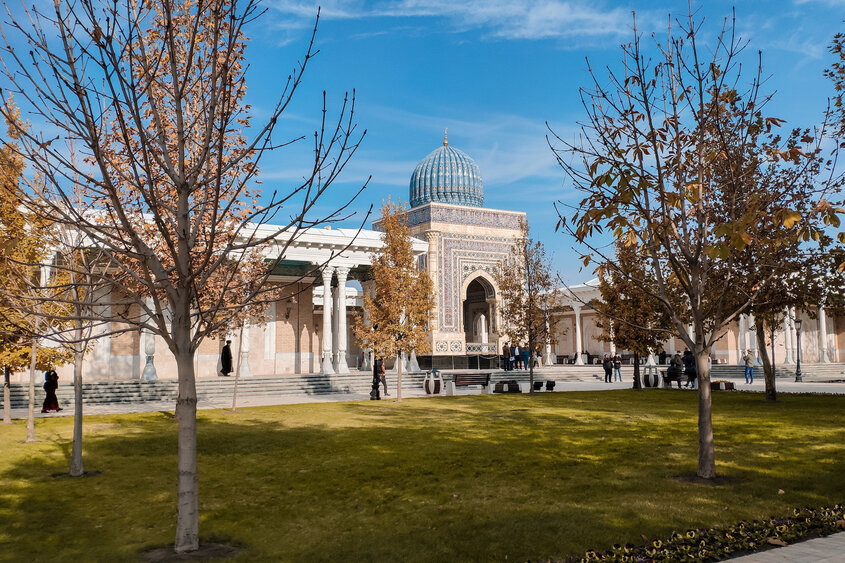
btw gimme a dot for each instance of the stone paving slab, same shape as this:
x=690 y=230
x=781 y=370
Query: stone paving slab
x=830 y=549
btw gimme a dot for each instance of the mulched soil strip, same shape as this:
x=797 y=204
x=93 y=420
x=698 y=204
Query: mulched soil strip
x=206 y=552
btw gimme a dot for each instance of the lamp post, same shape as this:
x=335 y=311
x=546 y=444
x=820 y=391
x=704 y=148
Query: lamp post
x=798 y=357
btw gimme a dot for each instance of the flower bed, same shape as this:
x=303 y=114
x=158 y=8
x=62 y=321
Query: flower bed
x=717 y=544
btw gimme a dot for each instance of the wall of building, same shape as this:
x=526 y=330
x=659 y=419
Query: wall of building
x=729 y=347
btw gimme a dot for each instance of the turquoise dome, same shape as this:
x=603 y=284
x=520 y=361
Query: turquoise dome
x=447 y=175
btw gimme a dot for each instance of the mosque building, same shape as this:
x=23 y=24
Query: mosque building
x=460 y=243
x=465 y=244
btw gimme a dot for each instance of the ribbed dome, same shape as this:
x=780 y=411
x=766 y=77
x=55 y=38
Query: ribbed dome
x=447 y=175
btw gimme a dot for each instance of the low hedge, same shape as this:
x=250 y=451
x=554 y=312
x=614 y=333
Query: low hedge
x=716 y=544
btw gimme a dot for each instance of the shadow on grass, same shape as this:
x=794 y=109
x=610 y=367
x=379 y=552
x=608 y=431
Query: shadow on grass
x=453 y=478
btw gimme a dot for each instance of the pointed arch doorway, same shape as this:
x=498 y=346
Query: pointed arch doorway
x=479 y=314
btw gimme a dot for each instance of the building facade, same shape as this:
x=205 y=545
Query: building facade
x=459 y=243
x=822 y=336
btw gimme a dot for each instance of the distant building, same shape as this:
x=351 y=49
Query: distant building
x=822 y=337
x=459 y=243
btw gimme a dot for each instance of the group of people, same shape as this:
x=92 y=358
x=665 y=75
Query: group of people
x=683 y=365
x=515 y=356
x=612 y=367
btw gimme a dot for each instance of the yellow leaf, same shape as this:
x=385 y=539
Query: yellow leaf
x=790 y=218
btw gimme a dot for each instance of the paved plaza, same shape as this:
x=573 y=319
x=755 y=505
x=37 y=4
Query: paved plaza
x=587 y=379
x=820 y=550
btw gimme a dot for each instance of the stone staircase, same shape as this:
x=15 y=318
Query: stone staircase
x=814 y=372
x=115 y=392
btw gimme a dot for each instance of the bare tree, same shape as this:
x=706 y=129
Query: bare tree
x=78 y=281
x=151 y=96
x=527 y=284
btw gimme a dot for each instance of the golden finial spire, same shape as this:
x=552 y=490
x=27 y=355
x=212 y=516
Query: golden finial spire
x=446 y=137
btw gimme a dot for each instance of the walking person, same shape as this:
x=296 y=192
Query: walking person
x=607 y=364
x=690 y=370
x=51 y=383
x=515 y=355
x=226 y=359
x=378 y=368
x=382 y=377
x=749 y=367
x=526 y=358
x=506 y=357
x=617 y=367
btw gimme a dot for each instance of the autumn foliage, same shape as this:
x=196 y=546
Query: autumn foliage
x=400 y=311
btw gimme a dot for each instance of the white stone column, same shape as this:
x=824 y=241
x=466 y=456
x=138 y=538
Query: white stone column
x=367 y=288
x=335 y=321
x=243 y=358
x=578 y=344
x=328 y=272
x=752 y=338
x=823 y=356
x=547 y=351
x=341 y=364
x=670 y=346
x=482 y=329
x=793 y=335
x=742 y=334
x=270 y=331
x=787 y=338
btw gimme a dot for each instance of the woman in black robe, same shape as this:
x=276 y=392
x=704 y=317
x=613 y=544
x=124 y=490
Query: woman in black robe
x=51 y=383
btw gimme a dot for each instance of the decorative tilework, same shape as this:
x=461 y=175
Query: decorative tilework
x=457 y=346
x=441 y=346
x=447 y=175
x=479 y=348
x=461 y=257
x=463 y=216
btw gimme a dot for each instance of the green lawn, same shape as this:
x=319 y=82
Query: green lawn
x=445 y=479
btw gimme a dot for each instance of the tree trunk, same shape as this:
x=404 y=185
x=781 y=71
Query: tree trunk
x=7 y=398
x=187 y=517
x=399 y=377
x=30 y=416
x=706 y=446
x=637 y=383
x=238 y=371
x=768 y=368
x=77 y=469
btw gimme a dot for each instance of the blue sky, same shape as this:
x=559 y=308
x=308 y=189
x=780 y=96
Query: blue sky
x=493 y=72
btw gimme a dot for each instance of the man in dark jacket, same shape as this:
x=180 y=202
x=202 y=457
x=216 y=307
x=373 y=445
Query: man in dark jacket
x=676 y=368
x=607 y=364
x=690 y=369
x=226 y=359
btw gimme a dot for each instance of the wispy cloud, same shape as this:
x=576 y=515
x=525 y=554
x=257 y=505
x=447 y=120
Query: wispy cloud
x=832 y=3
x=504 y=19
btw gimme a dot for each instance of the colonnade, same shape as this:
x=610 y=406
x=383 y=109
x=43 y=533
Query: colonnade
x=334 y=320
x=747 y=338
